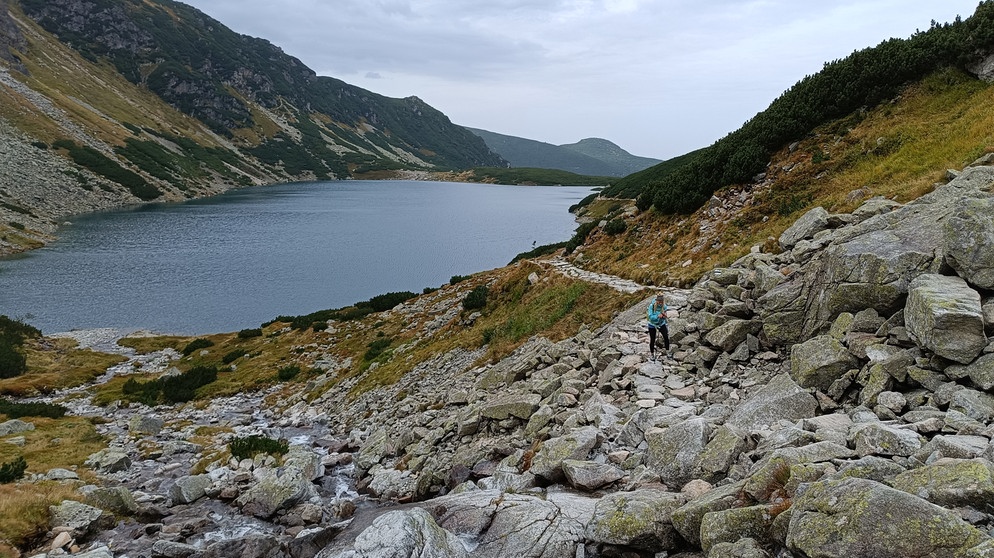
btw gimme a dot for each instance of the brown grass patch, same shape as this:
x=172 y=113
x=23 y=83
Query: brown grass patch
x=57 y=364
x=24 y=512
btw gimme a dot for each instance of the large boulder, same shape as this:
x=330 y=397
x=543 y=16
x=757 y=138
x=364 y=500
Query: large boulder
x=943 y=314
x=79 y=519
x=673 y=452
x=814 y=221
x=968 y=241
x=640 y=519
x=860 y=517
x=520 y=405
x=110 y=460
x=819 y=361
x=507 y=524
x=951 y=482
x=410 y=532
x=15 y=426
x=189 y=489
x=687 y=518
x=548 y=461
x=780 y=399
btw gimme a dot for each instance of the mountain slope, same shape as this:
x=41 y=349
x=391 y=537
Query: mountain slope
x=139 y=101
x=862 y=80
x=592 y=156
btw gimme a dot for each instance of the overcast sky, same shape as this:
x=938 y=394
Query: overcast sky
x=657 y=77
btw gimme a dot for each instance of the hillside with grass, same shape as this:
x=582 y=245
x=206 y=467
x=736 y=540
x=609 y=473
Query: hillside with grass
x=859 y=82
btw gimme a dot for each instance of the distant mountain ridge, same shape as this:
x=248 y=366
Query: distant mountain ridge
x=591 y=156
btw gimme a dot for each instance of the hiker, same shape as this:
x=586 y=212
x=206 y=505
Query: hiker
x=657 y=322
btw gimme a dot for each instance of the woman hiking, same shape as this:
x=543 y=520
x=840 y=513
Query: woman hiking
x=657 y=322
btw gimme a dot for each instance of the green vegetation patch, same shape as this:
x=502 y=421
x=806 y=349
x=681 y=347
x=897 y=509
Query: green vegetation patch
x=99 y=163
x=170 y=389
x=17 y=410
x=13 y=470
x=378 y=303
x=249 y=446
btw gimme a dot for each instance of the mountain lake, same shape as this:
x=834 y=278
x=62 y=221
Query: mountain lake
x=236 y=260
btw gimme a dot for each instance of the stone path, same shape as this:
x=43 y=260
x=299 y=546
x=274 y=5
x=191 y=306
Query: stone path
x=570 y=270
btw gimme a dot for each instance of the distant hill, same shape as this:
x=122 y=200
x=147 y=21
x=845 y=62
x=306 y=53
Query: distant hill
x=591 y=156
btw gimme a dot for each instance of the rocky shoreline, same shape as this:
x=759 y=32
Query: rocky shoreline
x=830 y=400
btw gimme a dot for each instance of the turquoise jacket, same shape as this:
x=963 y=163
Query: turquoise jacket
x=657 y=316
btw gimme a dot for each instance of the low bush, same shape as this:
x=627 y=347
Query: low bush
x=458 y=279
x=18 y=410
x=542 y=250
x=172 y=389
x=614 y=227
x=12 y=362
x=476 y=299
x=250 y=446
x=358 y=310
x=13 y=470
x=233 y=356
x=376 y=347
x=288 y=372
x=250 y=333
x=196 y=345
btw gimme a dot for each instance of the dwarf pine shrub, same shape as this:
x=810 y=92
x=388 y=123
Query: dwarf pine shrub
x=250 y=446
x=476 y=299
x=18 y=410
x=13 y=470
x=196 y=345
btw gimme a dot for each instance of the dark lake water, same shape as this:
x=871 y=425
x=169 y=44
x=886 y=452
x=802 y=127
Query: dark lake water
x=237 y=260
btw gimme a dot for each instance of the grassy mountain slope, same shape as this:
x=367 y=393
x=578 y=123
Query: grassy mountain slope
x=897 y=150
x=592 y=156
x=862 y=80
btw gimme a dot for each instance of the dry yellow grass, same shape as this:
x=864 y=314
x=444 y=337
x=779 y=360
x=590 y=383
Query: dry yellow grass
x=24 y=512
x=56 y=443
x=898 y=150
x=57 y=364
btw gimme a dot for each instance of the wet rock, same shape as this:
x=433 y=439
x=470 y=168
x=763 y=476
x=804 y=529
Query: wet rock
x=172 y=549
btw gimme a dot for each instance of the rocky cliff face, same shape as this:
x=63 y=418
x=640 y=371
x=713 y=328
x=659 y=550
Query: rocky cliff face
x=868 y=436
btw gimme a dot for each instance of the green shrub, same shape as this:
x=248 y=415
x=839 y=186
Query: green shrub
x=172 y=389
x=615 y=226
x=542 y=250
x=249 y=446
x=234 y=355
x=12 y=362
x=458 y=279
x=476 y=299
x=288 y=372
x=358 y=310
x=250 y=333
x=579 y=237
x=319 y=326
x=17 y=331
x=196 y=345
x=16 y=225
x=18 y=410
x=13 y=470
x=376 y=347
